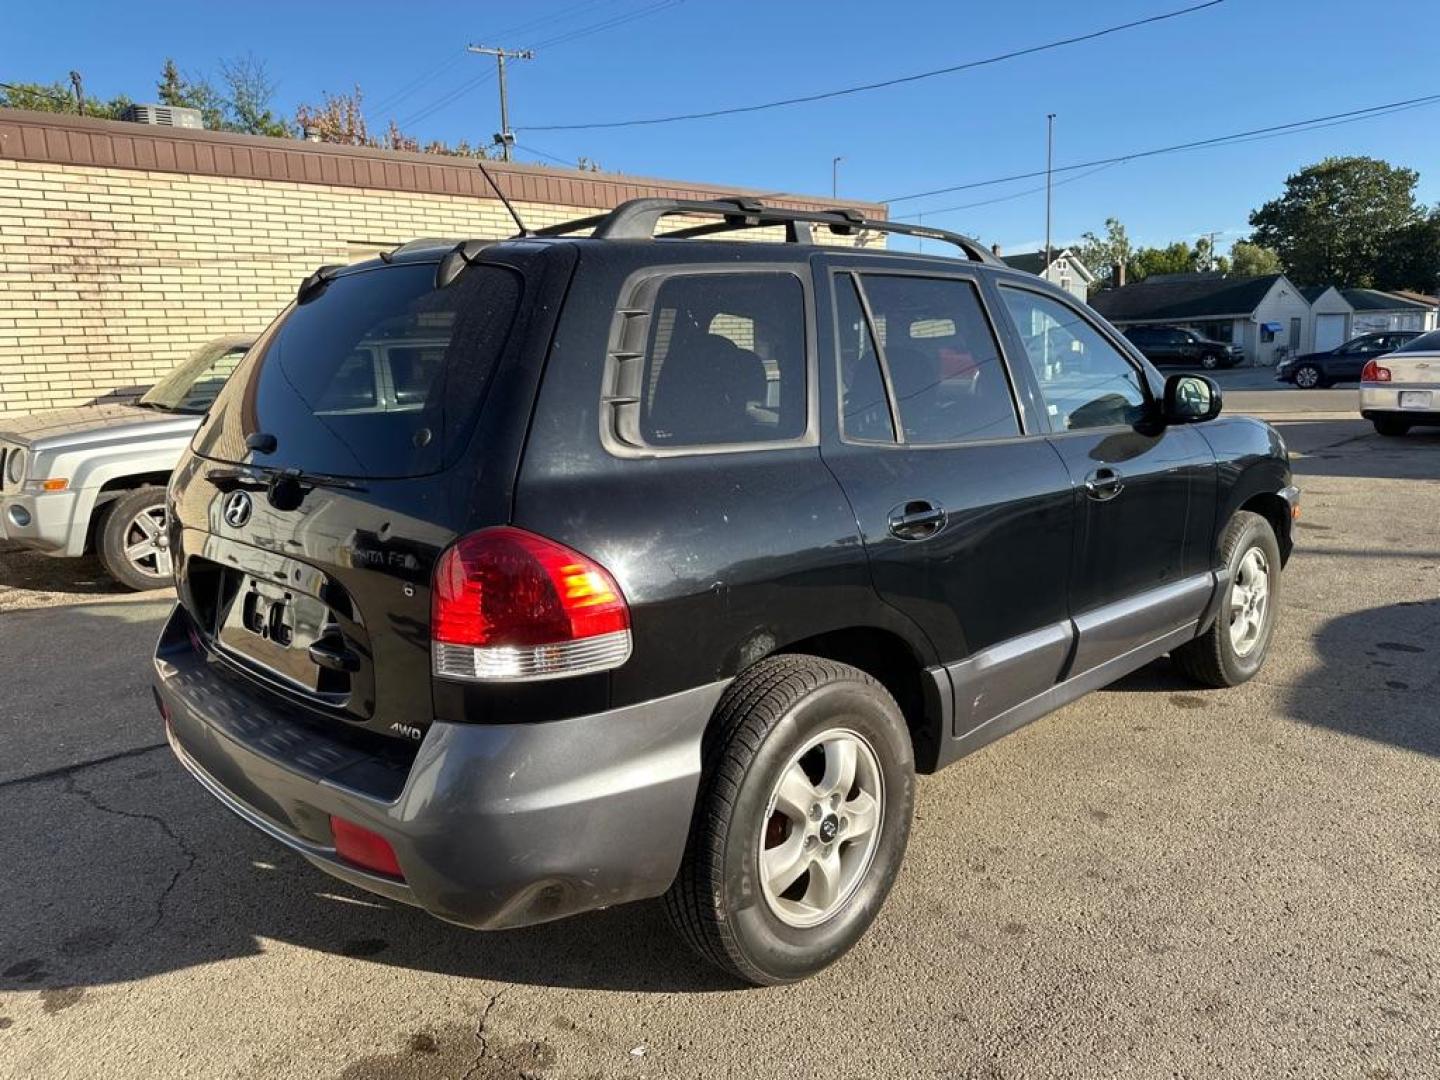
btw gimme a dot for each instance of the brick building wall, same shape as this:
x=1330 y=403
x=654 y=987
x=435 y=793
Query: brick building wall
x=123 y=248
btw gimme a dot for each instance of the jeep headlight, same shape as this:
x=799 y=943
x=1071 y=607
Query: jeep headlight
x=15 y=466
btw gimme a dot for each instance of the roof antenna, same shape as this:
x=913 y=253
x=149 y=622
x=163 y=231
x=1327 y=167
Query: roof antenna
x=496 y=188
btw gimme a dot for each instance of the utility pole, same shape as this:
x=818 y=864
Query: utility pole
x=835 y=176
x=504 y=137
x=79 y=92
x=1211 y=236
x=1049 y=167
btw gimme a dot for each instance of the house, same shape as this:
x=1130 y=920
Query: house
x=1266 y=314
x=1376 y=310
x=1063 y=268
x=1332 y=318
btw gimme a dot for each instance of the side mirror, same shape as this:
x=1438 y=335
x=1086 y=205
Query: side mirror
x=1191 y=399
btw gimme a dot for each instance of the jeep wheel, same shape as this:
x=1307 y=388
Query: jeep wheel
x=1308 y=377
x=132 y=541
x=1210 y=361
x=1233 y=649
x=1391 y=426
x=801 y=821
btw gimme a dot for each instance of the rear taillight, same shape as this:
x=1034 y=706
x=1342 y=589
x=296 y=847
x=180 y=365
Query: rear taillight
x=1373 y=372
x=361 y=847
x=508 y=605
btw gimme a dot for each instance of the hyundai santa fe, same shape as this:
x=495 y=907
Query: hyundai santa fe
x=678 y=558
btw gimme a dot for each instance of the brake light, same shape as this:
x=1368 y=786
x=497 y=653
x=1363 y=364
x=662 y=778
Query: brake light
x=1373 y=372
x=509 y=605
x=363 y=848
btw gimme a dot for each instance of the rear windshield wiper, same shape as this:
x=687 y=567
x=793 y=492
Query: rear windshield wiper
x=267 y=476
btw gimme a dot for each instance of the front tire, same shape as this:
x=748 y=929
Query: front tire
x=801 y=822
x=1234 y=648
x=1391 y=426
x=1210 y=361
x=1309 y=377
x=132 y=541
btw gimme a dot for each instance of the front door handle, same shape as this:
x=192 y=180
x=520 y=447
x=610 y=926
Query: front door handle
x=918 y=519
x=1104 y=484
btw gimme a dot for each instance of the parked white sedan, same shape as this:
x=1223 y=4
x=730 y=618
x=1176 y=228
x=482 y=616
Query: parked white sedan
x=1401 y=390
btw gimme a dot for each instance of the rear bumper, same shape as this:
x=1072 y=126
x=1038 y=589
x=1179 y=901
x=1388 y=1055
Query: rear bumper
x=1383 y=399
x=494 y=826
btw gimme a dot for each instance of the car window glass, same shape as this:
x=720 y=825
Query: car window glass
x=864 y=407
x=725 y=361
x=1086 y=382
x=204 y=390
x=944 y=365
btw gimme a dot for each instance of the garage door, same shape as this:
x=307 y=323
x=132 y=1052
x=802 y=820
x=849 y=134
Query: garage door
x=1329 y=331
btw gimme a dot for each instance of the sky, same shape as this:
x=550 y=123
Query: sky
x=1233 y=67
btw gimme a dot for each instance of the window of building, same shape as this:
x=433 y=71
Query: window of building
x=1086 y=382
x=725 y=362
x=943 y=364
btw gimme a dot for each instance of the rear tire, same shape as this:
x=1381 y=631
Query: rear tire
x=1234 y=648
x=778 y=741
x=132 y=542
x=1391 y=426
x=1210 y=361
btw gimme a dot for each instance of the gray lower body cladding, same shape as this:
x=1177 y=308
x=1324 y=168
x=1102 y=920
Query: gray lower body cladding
x=494 y=826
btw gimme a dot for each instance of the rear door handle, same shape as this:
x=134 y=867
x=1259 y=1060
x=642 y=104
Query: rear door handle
x=1104 y=484
x=918 y=519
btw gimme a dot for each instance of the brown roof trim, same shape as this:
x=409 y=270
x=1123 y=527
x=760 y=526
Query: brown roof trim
x=62 y=139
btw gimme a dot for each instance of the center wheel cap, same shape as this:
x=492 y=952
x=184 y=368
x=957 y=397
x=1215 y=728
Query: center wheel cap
x=829 y=828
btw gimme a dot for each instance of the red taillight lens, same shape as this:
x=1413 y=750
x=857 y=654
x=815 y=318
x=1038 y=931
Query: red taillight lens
x=1373 y=372
x=508 y=604
x=361 y=847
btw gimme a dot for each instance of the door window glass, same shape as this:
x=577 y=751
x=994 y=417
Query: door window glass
x=944 y=365
x=864 y=406
x=1086 y=382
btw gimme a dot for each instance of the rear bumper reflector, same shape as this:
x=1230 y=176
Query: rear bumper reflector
x=528 y=663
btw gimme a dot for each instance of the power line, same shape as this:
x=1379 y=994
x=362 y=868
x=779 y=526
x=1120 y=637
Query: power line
x=1239 y=136
x=969 y=64
x=618 y=20
x=409 y=88
x=1003 y=198
x=449 y=97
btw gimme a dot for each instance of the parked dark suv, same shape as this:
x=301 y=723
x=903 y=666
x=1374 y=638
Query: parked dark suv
x=677 y=559
x=1176 y=345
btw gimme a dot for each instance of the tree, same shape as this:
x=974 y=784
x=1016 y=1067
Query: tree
x=1176 y=258
x=1251 y=260
x=1411 y=259
x=59 y=97
x=192 y=92
x=1101 y=256
x=340 y=118
x=251 y=90
x=1337 y=218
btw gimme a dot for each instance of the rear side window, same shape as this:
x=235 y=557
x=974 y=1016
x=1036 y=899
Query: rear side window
x=945 y=374
x=725 y=361
x=381 y=375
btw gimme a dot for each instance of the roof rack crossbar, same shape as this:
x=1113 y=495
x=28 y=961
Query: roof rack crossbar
x=637 y=219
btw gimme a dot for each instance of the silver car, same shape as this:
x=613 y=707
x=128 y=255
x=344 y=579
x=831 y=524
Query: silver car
x=1401 y=390
x=95 y=476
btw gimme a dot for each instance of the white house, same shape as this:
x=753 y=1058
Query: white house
x=1376 y=311
x=1265 y=314
x=1063 y=269
x=1332 y=318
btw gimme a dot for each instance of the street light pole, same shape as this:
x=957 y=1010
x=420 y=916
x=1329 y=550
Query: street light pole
x=835 y=176
x=505 y=137
x=1049 y=168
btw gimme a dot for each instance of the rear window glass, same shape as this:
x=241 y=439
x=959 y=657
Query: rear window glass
x=1424 y=343
x=725 y=362
x=381 y=375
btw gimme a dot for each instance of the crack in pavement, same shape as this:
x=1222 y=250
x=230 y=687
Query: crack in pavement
x=191 y=856
x=480 y=1033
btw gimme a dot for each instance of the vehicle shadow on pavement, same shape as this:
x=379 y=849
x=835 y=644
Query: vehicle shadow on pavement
x=126 y=870
x=1325 y=448
x=1376 y=676
x=33 y=572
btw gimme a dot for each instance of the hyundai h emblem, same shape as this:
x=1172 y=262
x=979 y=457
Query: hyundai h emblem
x=237 y=509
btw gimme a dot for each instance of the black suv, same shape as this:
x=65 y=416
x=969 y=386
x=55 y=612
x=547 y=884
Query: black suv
x=659 y=566
x=1176 y=345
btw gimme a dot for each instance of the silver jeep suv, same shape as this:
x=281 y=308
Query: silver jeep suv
x=95 y=476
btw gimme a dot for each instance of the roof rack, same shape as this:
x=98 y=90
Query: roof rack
x=638 y=219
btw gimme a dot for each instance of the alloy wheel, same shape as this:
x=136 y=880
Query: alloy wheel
x=147 y=544
x=821 y=828
x=1307 y=378
x=1249 y=601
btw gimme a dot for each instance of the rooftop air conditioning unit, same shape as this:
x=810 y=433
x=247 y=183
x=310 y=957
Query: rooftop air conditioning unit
x=163 y=115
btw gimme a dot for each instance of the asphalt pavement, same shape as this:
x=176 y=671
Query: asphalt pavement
x=1156 y=881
